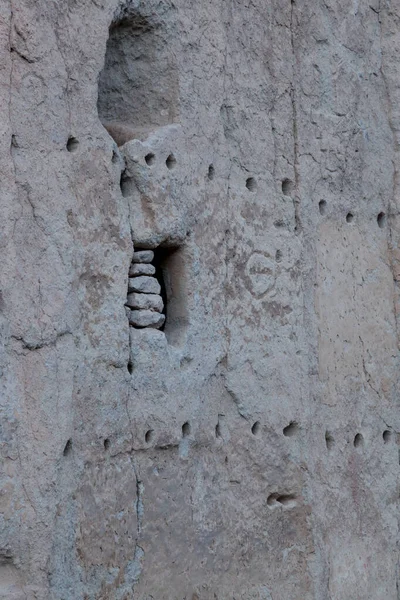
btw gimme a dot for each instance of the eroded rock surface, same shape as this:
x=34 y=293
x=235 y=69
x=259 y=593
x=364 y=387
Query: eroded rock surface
x=249 y=153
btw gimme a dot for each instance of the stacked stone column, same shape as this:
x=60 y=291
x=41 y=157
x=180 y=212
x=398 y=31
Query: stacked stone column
x=144 y=300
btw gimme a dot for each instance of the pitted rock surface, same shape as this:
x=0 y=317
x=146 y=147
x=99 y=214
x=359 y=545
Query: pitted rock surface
x=249 y=152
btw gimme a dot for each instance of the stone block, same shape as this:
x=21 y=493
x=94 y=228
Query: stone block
x=137 y=269
x=143 y=256
x=144 y=284
x=145 y=302
x=146 y=318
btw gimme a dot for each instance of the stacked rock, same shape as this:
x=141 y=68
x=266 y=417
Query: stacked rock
x=144 y=300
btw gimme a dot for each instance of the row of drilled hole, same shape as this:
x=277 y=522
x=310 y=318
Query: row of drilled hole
x=289 y=431
x=381 y=218
x=293 y=428
x=150 y=159
x=73 y=143
x=358 y=441
x=149 y=436
x=251 y=183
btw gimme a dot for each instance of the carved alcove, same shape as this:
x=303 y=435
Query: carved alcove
x=138 y=86
x=158 y=291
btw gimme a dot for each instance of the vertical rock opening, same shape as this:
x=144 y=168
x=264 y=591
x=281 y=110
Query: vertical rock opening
x=329 y=440
x=322 y=207
x=381 y=220
x=67 y=448
x=186 y=429
x=138 y=86
x=171 y=273
x=157 y=291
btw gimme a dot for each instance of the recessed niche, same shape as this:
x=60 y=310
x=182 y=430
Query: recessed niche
x=126 y=184
x=251 y=184
x=67 y=448
x=171 y=272
x=72 y=144
x=138 y=86
x=291 y=430
x=171 y=161
x=287 y=187
x=381 y=220
x=107 y=444
x=256 y=428
x=349 y=217
x=211 y=172
x=387 y=436
x=288 y=500
x=157 y=291
x=329 y=440
x=322 y=207
x=186 y=429
x=150 y=159
x=358 y=441
x=149 y=435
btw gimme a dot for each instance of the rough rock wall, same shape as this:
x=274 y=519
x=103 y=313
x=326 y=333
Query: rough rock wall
x=248 y=450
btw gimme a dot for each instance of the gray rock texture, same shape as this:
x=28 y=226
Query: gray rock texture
x=250 y=450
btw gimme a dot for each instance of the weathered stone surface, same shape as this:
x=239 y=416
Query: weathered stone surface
x=143 y=256
x=141 y=269
x=146 y=318
x=145 y=301
x=146 y=285
x=250 y=449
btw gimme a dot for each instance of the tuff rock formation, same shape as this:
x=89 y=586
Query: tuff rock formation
x=248 y=150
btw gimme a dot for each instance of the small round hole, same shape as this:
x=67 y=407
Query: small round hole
x=329 y=440
x=130 y=367
x=211 y=172
x=381 y=219
x=171 y=161
x=387 y=435
x=256 y=429
x=186 y=429
x=287 y=187
x=322 y=207
x=358 y=441
x=150 y=159
x=291 y=430
x=349 y=217
x=149 y=436
x=72 y=144
x=68 y=448
x=251 y=184
x=107 y=444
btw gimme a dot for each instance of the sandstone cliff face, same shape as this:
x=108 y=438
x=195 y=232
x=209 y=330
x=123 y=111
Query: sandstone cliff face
x=248 y=448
